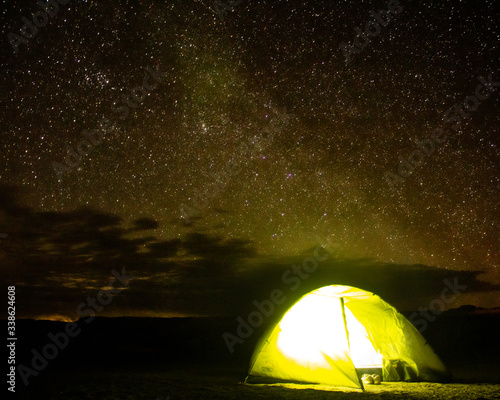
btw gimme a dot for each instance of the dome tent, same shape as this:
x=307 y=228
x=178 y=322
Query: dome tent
x=332 y=333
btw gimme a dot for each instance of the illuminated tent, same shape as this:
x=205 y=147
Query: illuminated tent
x=332 y=334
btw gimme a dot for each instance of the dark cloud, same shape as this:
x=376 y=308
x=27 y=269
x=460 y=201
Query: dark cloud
x=142 y=224
x=164 y=249
x=405 y=286
x=57 y=259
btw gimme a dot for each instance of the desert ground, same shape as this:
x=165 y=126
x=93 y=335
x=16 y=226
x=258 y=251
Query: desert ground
x=186 y=358
x=203 y=383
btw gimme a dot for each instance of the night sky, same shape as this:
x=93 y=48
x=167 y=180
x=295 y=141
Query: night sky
x=207 y=150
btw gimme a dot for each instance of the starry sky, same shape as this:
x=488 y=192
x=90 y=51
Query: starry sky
x=207 y=149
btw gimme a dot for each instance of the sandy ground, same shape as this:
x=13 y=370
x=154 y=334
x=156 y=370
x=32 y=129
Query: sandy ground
x=402 y=390
x=206 y=384
x=158 y=359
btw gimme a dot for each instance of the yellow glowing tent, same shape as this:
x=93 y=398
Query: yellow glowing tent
x=333 y=334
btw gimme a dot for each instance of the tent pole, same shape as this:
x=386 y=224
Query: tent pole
x=348 y=341
x=345 y=323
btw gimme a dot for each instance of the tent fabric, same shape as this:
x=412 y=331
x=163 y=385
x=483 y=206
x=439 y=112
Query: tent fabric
x=333 y=330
